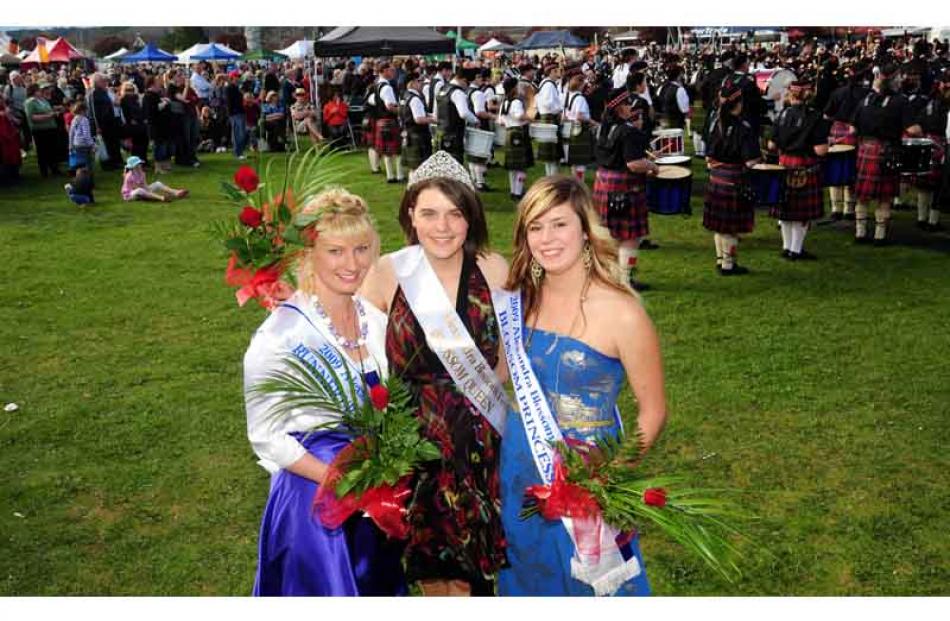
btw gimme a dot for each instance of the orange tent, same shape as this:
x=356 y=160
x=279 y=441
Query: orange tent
x=39 y=55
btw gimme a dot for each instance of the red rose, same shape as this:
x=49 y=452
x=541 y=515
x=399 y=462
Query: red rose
x=246 y=179
x=379 y=396
x=655 y=497
x=251 y=217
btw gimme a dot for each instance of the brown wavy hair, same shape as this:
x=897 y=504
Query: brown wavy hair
x=463 y=197
x=545 y=194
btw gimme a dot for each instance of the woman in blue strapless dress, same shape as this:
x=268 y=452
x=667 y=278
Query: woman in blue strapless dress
x=585 y=332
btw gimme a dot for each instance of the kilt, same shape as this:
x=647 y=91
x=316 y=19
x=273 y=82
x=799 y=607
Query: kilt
x=453 y=144
x=580 y=148
x=840 y=134
x=549 y=151
x=874 y=181
x=418 y=147
x=806 y=201
x=728 y=206
x=369 y=132
x=620 y=197
x=931 y=181
x=387 y=139
x=517 y=149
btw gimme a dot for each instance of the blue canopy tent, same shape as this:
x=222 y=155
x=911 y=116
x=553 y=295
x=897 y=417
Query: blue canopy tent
x=550 y=39
x=149 y=54
x=215 y=52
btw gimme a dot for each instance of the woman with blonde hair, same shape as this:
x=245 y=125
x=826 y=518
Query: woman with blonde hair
x=564 y=280
x=297 y=554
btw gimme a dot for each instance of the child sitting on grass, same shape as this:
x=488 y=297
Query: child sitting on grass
x=80 y=189
x=135 y=187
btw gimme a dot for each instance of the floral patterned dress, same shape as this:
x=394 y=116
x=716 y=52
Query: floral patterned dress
x=454 y=515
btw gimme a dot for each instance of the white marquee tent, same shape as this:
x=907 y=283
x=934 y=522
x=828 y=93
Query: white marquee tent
x=298 y=50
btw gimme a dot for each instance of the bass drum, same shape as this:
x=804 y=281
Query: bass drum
x=775 y=89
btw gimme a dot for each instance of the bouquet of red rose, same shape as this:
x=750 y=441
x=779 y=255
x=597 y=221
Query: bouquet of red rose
x=599 y=483
x=372 y=473
x=267 y=231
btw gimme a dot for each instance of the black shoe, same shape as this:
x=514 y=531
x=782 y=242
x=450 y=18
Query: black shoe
x=392 y=180
x=646 y=244
x=735 y=270
x=862 y=240
x=923 y=225
x=804 y=255
x=880 y=243
x=849 y=217
x=936 y=228
x=836 y=216
x=786 y=254
x=482 y=187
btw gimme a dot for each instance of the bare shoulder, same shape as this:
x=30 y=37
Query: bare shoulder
x=495 y=268
x=379 y=286
x=623 y=312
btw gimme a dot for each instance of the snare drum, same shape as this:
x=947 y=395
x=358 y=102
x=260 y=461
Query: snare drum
x=668 y=142
x=500 y=132
x=543 y=132
x=916 y=154
x=841 y=166
x=478 y=142
x=674 y=160
x=567 y=129
x=668 y=193
x=768 y=184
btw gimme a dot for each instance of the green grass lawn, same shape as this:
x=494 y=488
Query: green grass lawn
x=820 y=390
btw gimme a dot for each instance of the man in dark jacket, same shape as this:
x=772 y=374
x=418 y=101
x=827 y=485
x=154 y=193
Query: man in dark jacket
x=105 y=122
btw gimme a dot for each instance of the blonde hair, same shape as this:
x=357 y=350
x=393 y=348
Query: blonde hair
x=340 y=213
x=544 y=195
x=129 y=87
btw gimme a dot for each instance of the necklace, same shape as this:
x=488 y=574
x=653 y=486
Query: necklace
x=363 y=329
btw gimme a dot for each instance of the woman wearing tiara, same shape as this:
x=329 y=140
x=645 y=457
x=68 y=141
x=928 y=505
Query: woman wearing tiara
x=443 y=341
x=564 y=274
x=297 y=554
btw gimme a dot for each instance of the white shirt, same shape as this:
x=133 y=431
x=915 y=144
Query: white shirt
x=386 y=93
x=620 y=75
x=202 y=86
x=416 y=106
x=460 y=99
x=515 y=116
x=579 y=110
x=478 y=101
x=284 y=330
x=549 y=98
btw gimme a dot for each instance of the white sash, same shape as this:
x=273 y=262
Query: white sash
x=608 y=572
x=325 y=347
x=447 y=336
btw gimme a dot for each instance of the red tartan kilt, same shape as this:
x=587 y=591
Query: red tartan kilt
x=803 y=203
x=369 y=132
x=727 y=207
x=634 y=221
x=874 y=183
x=931 y=181
x=841 y=134
x=388 y=137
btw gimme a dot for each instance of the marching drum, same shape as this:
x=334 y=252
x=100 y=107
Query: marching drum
x=673 y=160
x=768 y=184
x=668 y=142
x=916 y=155
x=567 y=129
x=543 y=132
x=500 y=132
x=478 y=142
x=841 y=166
x=668 y=193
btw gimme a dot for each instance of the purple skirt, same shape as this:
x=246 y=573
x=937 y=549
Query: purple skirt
x=298 y=556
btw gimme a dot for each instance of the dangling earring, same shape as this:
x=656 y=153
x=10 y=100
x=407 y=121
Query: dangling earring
x=537 y=272
x=588 y=256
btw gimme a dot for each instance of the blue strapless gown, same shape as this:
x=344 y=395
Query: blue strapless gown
x=582 y=386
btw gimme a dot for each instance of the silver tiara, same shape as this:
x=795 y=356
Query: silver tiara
x=440 y=164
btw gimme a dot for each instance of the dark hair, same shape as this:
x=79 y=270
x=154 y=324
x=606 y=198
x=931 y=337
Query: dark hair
x=463 y=197
x=510 y=85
